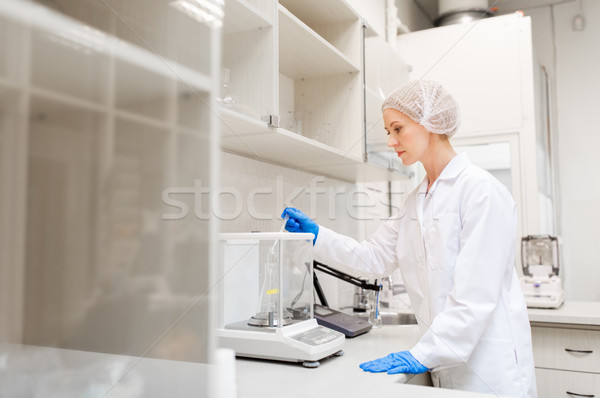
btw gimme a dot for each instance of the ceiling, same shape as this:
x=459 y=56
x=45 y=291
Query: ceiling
x=430 y=7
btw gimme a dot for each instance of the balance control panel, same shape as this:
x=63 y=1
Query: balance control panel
x=318 y=336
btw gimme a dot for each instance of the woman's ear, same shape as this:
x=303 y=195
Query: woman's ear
x=439 y=137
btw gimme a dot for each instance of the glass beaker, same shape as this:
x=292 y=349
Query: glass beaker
x=268 y=312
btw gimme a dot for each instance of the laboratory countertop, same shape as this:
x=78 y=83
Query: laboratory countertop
x=341 y=376
x=571 y=312
x=32 y=371
x=44 y=371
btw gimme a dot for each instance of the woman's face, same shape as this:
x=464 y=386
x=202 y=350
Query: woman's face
x=409 y=139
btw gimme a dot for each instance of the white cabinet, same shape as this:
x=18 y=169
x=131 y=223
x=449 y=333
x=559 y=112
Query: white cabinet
x=488 y=66
x=106 y=108
x=293 y=89
x=249 y=50
x=563 y=384
x=567 y=360
x=569 y=349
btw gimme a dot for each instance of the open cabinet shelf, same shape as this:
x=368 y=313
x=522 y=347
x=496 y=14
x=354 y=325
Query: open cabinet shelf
x=249 y=52
x=304 y=54
x=248 y=137
x=370 y=31
x=320 y=77
x=235 y=124
x=306 y=68
x=314 y=12
x=241 y=16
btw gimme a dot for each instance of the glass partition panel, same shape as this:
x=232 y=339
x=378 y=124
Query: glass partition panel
x=106 y=111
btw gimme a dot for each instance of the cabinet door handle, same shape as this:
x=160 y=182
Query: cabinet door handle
x=580 y=395
x=579 y=351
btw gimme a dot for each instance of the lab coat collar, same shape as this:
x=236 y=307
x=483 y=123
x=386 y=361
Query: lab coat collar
x=456 y=165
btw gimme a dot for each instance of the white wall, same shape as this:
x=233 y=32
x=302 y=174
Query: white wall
x=265 y=189
x=573 y=61
x=577 y=88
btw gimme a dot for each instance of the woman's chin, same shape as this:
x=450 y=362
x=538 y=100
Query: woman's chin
x=407 y=161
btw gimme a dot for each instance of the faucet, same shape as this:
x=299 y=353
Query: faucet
x=390 y=283
x=386 y=296
x=361 y=300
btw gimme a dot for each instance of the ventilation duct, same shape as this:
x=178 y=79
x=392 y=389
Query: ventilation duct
x=461 y=11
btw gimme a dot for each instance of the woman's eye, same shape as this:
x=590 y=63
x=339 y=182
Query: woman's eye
x=396 y=130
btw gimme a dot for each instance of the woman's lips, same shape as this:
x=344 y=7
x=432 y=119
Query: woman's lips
x=400 y=153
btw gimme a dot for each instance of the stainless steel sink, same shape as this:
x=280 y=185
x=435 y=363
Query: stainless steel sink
x=392 y=318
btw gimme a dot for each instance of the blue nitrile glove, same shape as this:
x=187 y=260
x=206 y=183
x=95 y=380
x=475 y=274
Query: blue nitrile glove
x=300 y=222
x=397 y=362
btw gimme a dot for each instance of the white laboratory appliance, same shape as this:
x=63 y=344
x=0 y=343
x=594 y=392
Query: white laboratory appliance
x=266 y=299
x=540 y=282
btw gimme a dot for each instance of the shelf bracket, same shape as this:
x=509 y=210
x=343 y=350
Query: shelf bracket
x=272 y=120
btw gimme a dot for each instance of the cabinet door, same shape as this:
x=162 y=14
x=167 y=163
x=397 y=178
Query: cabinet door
x=568 y=349
x=564 y=384
x=482 y=65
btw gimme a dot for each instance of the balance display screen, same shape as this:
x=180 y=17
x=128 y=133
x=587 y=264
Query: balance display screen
x=317 y=336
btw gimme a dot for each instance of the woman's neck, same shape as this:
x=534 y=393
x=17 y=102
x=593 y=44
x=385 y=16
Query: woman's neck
x=439 y=155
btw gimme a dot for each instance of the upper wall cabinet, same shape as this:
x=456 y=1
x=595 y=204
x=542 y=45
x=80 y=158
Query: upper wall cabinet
x=292 y=86
x=320 y=65
x=482 y=64
x=249 y=68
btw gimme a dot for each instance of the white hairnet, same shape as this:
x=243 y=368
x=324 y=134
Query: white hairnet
x=427 y=103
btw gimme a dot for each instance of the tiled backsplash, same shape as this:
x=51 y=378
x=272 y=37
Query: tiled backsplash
x=253 y=195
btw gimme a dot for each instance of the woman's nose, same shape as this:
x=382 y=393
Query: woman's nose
x=392 y=142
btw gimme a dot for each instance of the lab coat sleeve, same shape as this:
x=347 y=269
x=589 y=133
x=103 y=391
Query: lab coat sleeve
x=376 y=256
x=485 y=259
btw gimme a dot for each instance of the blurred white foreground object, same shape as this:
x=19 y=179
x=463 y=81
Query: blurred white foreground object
x=226 y=384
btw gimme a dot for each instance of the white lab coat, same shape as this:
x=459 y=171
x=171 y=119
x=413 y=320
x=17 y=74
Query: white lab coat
x=455 y=248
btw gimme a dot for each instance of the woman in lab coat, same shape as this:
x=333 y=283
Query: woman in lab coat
x=454 y=242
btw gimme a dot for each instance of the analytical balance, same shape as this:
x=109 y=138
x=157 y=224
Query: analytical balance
x=540 y=282
x=266 y=299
